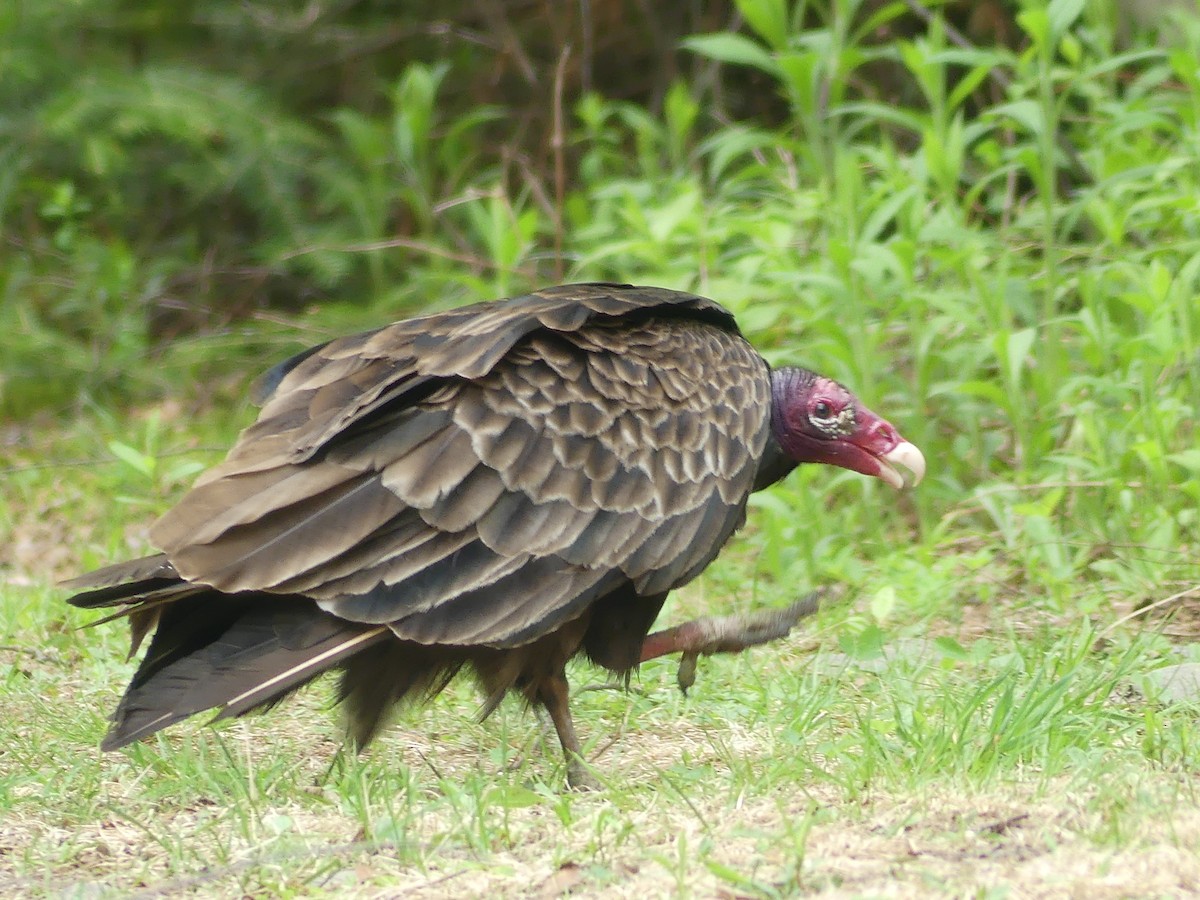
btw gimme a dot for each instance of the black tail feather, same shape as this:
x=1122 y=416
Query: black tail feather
x=237 y=652
x=247 y=651
x=124 y=582
x=378 y=679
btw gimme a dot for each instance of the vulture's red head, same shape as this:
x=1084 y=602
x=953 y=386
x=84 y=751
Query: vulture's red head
x=816 y=420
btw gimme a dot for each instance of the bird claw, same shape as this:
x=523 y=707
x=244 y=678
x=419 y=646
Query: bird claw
x=686 y=676
x=580 y=778
x=727 y=634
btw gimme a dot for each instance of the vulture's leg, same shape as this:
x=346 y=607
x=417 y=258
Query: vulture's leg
x=553 y=694
x=726 y=634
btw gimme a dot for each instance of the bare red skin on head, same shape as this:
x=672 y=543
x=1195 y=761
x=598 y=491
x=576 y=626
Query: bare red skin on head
x=817 y=420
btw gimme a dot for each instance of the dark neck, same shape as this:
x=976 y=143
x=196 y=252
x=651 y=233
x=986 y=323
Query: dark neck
x=773 y=466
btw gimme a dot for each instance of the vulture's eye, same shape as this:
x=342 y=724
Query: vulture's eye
x=832 y=418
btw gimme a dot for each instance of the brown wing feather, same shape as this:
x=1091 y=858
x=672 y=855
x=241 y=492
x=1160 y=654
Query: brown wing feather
x=480 y=478
x=487 y=501
x=402 y=359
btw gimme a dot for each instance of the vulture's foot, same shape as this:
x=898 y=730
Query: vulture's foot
x=579 y=776
x=726 y=634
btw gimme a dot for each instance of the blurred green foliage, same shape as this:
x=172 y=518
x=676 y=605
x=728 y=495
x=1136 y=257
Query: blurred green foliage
x=174 y=168
x=998 y=245
x=170 y=168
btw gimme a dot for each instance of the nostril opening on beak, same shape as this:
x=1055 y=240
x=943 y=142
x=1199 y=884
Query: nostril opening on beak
x=884 y=433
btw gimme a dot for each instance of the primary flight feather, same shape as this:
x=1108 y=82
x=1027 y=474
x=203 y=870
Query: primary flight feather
x=501 y=487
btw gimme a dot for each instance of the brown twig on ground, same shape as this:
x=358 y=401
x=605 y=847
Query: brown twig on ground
x=407 y=244
x=558 y=147
x=1150 y=607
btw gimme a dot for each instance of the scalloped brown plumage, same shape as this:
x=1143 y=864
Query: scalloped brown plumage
x=500 y=487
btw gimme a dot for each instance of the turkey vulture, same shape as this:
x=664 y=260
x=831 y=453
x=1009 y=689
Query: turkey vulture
x=500 y=487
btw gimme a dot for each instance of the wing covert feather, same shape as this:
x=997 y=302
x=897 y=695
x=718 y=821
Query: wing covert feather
x=479 y=476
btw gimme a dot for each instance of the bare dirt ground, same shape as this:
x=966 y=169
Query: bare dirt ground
x=1020 y=840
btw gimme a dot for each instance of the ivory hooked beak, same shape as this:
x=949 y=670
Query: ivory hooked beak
x=902 y=466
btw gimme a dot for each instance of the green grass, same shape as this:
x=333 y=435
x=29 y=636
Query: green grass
x=970 y=721
x=1006 y=731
